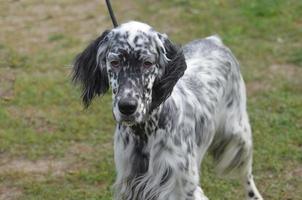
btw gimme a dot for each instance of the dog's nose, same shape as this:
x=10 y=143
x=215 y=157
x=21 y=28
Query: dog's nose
x=127 y=106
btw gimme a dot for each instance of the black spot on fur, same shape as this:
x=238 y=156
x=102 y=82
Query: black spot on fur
x=189 y=148
x=140 y=159
x=177 y=140
x=198 y=130
x=126 y=140
x=217 y=149
x=214 y=83
x=139 y=131
x=238 y=158
x=251 y=194
x=136 y=39
x=166 y=116
x=230 y=103
x=167 y=175
x=190 y=194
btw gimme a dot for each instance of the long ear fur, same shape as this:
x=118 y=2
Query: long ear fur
x=174 y=68
x=90 y=69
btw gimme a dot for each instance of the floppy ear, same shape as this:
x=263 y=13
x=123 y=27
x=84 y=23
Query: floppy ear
x=90 y=69
x=173 y=66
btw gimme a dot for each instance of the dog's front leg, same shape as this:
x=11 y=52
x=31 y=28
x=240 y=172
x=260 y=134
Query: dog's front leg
x=123 y=148
x=199 y=194
x=173 y=163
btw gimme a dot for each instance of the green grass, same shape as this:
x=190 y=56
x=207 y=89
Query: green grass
x=51 y=148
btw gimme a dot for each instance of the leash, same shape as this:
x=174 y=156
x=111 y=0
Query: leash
x=114 y=22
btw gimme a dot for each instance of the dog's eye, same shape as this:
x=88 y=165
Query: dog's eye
x=114 y=63
x=147 y=64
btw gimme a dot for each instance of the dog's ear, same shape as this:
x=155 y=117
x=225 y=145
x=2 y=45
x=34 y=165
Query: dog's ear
x=90 y=69
x=172 y=66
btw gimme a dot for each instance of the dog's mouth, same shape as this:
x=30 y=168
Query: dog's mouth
x=128 y=120
x=128 y=123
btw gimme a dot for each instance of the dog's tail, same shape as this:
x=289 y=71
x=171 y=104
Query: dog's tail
x=216 y=39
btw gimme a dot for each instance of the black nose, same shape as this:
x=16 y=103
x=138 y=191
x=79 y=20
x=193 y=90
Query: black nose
x=127 y=106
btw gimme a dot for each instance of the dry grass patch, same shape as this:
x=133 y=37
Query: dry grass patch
x=273 y=77
x=9 y=193
x=32 y=117
x=28 y=26
x=7 y=81
x=39 y=167
x=288 y=71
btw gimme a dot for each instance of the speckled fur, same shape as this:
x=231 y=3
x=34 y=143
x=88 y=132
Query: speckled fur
x=190 y=101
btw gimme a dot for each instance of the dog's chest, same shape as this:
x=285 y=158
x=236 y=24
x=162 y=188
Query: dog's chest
x=138 y=144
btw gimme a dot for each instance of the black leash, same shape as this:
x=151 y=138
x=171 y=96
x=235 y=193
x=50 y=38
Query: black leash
x=111 y=13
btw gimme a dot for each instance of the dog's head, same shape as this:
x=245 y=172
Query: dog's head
x=141 y=65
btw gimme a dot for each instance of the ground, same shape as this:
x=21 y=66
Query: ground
x=51 y=148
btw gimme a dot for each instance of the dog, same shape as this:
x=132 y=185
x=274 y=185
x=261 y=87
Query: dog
x=171 y=105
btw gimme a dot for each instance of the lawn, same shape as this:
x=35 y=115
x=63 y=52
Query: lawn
x=51 y=148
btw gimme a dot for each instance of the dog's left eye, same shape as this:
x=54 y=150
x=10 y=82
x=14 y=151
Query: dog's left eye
x=147 y=64
x=114 y=63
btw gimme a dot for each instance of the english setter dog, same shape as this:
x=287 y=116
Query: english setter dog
x=171 y=104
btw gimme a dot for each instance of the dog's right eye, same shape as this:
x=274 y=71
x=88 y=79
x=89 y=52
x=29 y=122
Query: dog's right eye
x=147 y=64
x=114 y=63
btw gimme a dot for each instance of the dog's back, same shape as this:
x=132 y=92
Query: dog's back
x=212 y=88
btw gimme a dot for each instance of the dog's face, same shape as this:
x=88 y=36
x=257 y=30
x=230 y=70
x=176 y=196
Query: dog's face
x=133 y=63
x=141 y=65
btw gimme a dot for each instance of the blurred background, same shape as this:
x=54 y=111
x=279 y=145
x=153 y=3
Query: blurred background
x=51 y=148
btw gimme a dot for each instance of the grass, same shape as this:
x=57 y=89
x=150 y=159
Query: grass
x=50 y=148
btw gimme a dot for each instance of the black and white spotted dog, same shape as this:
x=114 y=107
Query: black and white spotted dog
x=171 y=105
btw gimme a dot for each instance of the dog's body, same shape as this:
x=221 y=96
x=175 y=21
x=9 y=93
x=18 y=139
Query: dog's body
x=171 y=108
